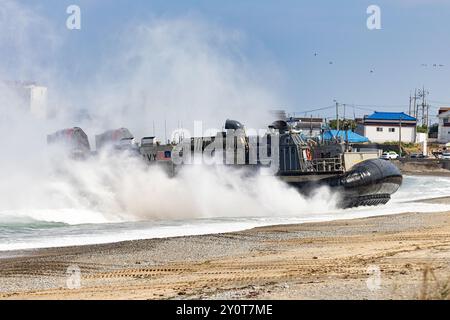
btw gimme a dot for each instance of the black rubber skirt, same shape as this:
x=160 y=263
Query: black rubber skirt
x=370 y=182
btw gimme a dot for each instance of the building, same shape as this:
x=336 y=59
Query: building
x=385 y=126
x=31 y=97
x=38 y=101
x=444 y=125
x=344 y=135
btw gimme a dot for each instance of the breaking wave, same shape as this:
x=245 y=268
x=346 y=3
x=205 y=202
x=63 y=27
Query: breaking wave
x=117 y=188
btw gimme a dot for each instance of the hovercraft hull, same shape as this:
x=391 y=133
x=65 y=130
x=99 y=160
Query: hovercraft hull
x=369 y=183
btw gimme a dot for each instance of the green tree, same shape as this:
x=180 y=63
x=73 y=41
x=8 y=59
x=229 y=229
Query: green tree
x=422 y=129
x=343 y=124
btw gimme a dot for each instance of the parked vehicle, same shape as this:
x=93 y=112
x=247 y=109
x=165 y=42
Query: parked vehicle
x=446 y=156
x=418 y=156
x=437 y=154
x=389 y=155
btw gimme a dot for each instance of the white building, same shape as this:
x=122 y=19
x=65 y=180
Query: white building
x=32 y=97
x=38 y=101
x=385 y=127
x=444 y=125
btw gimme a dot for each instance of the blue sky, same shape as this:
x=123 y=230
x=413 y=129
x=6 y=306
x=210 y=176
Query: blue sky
x=287 y=33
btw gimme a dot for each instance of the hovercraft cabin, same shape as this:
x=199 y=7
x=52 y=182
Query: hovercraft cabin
x=385 y=126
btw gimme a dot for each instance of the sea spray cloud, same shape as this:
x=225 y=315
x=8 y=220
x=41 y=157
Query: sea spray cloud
x=28 y=43
x=116 y=187
x=178 y=71
x=166 y=70
x=121 y=186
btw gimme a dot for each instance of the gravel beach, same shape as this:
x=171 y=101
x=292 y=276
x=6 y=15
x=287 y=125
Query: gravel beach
x=405 y=256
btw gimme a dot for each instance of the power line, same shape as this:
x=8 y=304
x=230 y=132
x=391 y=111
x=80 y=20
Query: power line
x=439 y=102
x=314 y=110
x=373 y=106
x=362 y=107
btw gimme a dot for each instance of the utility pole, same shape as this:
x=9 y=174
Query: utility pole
x=400 y=138
x=415 y=103
x=165 y=130
x=337 y=116
x=422 y=94
x=410 y=102
x=423 y=106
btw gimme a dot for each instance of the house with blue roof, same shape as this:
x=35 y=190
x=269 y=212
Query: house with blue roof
x=385 y=126
x=344 y=135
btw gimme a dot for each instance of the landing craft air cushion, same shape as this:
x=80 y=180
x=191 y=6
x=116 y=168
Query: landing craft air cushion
x=305 y=163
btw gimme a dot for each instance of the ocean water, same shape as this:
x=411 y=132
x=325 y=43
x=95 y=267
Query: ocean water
x=28 y=229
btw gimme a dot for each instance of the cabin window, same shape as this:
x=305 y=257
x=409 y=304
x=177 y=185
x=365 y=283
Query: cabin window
x=391 y=129
x=379 y=129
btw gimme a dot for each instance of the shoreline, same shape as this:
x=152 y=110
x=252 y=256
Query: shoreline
x=434 y=173
x=304 y=261
x=312 y=260
x=5 y=254
x=26 y=251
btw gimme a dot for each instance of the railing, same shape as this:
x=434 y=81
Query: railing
x=327 y=165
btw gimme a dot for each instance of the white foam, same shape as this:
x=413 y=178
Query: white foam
x=109 y=233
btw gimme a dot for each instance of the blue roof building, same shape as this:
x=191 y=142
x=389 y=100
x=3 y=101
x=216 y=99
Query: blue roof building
x=390 y=116
x=388 y=126
x=343 y=135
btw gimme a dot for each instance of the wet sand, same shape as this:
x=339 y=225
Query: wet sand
x=404 y=256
